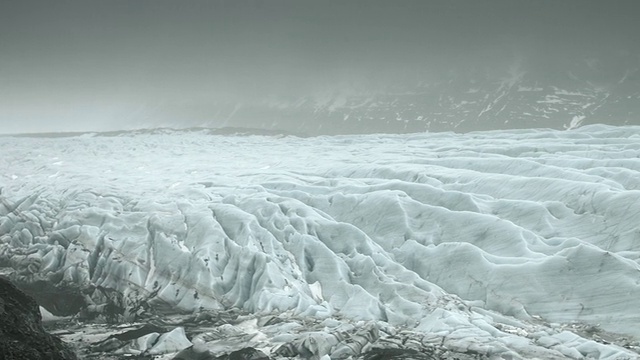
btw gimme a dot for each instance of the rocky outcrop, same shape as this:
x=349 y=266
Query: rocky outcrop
x=21 y=332
x=247 y=353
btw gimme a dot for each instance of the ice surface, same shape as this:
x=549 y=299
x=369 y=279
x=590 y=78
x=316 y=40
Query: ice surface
x=483 y=240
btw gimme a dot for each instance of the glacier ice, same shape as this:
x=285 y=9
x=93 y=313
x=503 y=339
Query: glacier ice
x=484 y=240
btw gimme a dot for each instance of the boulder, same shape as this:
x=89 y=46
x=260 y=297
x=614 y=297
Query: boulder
x=21 y=333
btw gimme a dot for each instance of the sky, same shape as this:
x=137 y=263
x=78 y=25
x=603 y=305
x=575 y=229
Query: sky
x=102 y=65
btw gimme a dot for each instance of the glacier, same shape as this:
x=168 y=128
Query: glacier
x=504 y=244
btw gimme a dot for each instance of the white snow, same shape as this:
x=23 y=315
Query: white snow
x=576 y=121
x=469 y=238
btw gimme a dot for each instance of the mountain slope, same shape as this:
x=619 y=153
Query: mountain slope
x=507 y=95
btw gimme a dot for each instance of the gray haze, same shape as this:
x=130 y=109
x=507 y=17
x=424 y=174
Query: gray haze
x=103 y=65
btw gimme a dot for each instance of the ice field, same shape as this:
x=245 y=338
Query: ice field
x=505 y=244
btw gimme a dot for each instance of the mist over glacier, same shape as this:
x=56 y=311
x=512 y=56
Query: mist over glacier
x=506 y=244
x=318 y=67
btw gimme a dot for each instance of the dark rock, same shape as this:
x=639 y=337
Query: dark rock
x=397 y=354
x=59 y=299
x=191 y=353
x=21 y=333
x=248 y=353
x=119 y=340
x=139 y=332
x=423 y=353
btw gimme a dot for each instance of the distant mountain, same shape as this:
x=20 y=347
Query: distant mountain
x=505 y=96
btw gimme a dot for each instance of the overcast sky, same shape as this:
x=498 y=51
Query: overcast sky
x=92 y=65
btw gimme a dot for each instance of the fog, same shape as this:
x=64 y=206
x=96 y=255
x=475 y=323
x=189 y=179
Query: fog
x=105 y=65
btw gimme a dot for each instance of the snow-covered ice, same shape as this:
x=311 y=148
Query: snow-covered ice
x=503 y=243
